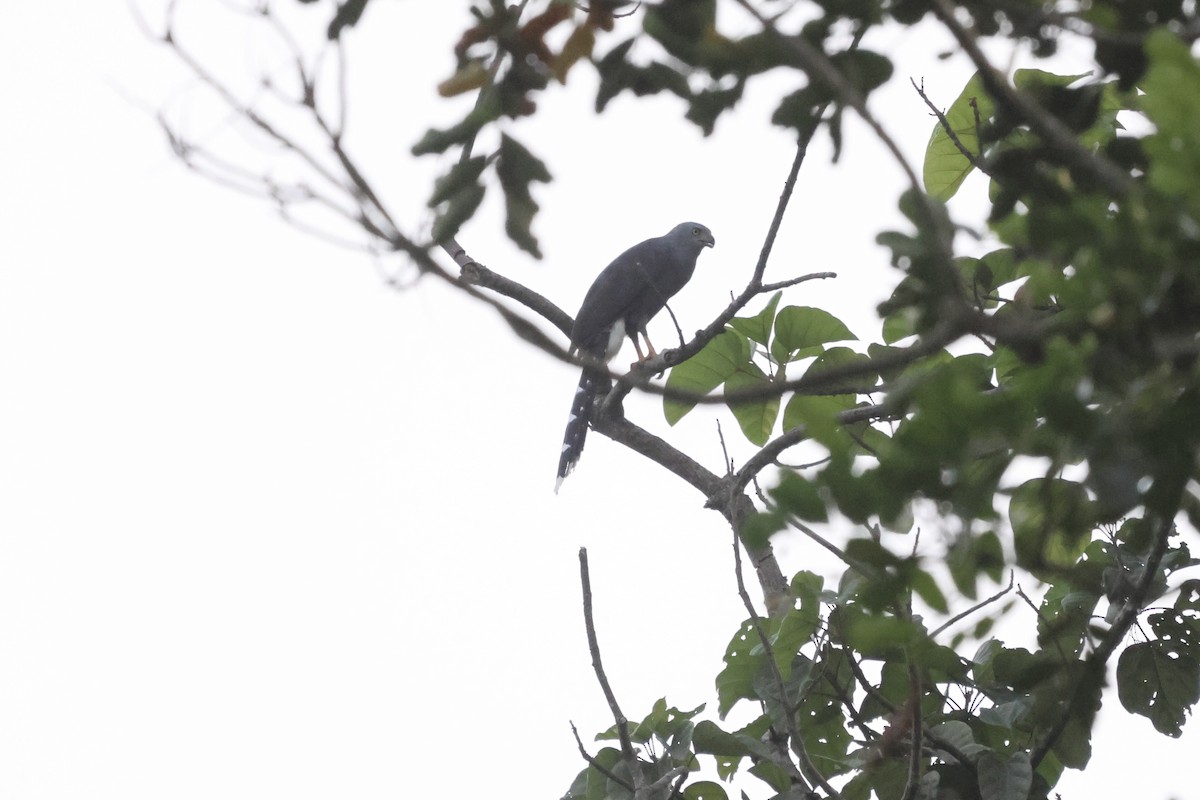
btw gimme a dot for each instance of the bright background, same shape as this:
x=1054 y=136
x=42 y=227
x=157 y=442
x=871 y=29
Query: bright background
x=272 y=527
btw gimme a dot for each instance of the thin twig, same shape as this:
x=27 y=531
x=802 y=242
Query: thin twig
x=603 y=770
x=913 y=781
x=973 y=158
x=863 y=569
x=773 y=287
x=622 y=723
x=963 y=614
x=937 y=741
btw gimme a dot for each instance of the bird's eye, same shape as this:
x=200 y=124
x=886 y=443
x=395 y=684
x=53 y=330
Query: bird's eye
x=695 y=231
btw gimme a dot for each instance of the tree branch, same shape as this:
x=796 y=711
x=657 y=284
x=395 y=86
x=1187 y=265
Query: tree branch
x=1095 y=664
x=627 y=752
x=807 y=769
x=983 y=603
x=591 y=762
x=736 y=507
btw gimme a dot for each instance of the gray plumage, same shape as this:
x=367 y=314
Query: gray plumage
x=621 y=302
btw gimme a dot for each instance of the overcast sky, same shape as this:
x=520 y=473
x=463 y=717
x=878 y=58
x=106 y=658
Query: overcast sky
x=272 y=527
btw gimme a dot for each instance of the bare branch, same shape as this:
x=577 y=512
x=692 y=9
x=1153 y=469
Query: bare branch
x=773 y=287
x=594 y=647
x=982 y=604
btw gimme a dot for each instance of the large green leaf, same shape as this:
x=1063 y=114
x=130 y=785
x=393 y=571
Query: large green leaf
x=462 y=176
x=818 y=412
x=1172 y=85
x=458 y=209
x=705 y=371
x=797 y=495
x=800 y=331
x=517 y=168
x=1051 y=520
x=710 y=738
x=705 y=790
x=1005 y=779
x=1160 y=679
x=756 y=417
x=736 y=681
x=946 y=166
x=758 y=327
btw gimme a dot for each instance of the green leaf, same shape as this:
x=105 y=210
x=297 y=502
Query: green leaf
x=1172 y=85
x=460 y=208
x=1001 y=779
x=788 y=635
x=800 y=331
x=759 y=527
x=1030 y=79
x=900 y=324
x=736 y=681
x=1051 y=520
x=798 y=109
x=773 y=775
x=517 y=168
x=705 y=371
x=462 y=177
x=348 y=13
x=927 y=589
x=756 y=417
x=711 y=739
x=864 y=69
x=1160 y=681
x=843 y=359
x=438 y=141
x=874 y=635
x=958 y=735
x=708 y=104
x=817 y=412
x=971 y=556
x=798 y=496
x=946 y=166
x=705 y=790
x=758 y=327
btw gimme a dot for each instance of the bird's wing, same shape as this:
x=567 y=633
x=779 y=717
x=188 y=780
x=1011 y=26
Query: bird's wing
x=620 y=287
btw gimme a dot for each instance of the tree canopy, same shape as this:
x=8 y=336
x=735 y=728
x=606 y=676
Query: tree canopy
x=1036 y=406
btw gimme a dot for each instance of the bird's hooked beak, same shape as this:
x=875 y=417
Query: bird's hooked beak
x=709 y=241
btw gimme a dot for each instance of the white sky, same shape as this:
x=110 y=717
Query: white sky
x=270 y=528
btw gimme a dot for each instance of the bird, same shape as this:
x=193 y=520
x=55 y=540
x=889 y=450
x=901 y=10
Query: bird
x=624 y=297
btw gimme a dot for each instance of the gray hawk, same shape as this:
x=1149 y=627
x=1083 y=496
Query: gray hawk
x=620 y=302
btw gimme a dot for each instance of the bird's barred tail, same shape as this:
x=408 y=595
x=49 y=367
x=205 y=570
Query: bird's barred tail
x=577 y=426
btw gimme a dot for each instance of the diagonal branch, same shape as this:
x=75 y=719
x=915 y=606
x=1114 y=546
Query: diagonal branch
x=735 y=506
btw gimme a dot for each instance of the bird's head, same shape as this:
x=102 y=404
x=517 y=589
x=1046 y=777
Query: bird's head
x=694 y=232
